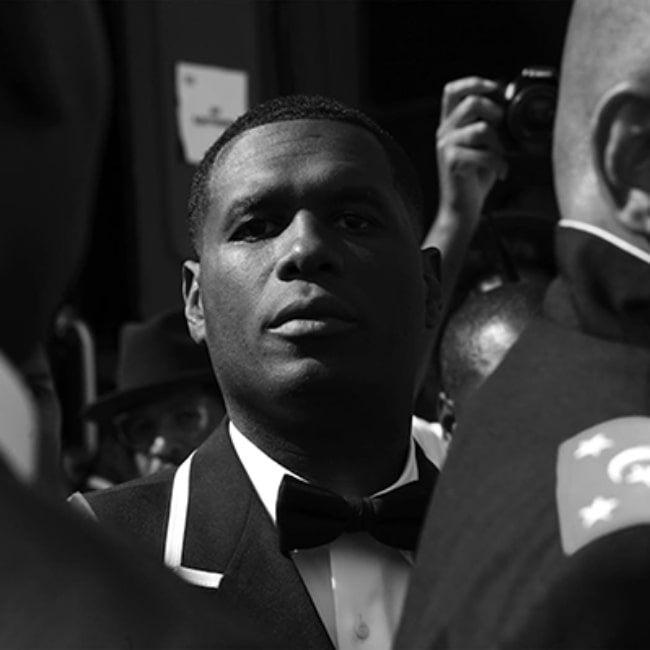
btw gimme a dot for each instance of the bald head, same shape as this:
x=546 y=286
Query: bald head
x=481 y=331
x=607 y=53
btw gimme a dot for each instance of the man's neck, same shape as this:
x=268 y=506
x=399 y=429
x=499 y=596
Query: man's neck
x=355 y=454
x=610 y=305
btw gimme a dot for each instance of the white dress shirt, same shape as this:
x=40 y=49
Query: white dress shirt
x=357 y=584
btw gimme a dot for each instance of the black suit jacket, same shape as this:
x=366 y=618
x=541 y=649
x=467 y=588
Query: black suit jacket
x=229 y=543
x=491 y=570
x=67 y=586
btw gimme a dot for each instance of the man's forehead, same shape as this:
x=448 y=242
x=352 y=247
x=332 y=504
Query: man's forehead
x=347 y=154
x=304 y=135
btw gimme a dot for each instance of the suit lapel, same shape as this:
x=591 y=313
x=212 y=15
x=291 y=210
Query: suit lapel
x=264 y=576
x=229 y=532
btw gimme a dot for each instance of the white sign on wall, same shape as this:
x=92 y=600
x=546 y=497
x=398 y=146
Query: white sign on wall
x=208 y=99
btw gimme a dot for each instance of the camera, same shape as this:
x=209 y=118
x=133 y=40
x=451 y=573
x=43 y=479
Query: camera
x=529 y=103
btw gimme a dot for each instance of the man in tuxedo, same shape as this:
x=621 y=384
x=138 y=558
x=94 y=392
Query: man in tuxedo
x=314 y=299
x=538 y=535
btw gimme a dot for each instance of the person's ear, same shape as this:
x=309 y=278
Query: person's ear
x=621 y=145
x=433 y=305
x=193 y=301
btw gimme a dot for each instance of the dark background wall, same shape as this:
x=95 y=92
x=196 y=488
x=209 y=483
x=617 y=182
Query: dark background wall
x=390 y=57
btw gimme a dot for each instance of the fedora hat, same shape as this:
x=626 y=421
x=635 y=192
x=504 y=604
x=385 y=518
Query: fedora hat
x=155 y=357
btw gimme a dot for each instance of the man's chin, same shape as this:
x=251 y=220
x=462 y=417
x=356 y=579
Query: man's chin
x=301 y=373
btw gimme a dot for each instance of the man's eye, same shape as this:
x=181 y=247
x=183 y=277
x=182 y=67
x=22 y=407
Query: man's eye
x=354 y=221
x=256 y=229
x=188 y=419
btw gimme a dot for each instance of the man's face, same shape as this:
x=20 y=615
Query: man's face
x=310 y=272
x=164 y=432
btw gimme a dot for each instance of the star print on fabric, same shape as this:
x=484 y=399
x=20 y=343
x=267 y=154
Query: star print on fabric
x=593 y=446
x=639 y=474
x=603 y=481
x=599 y=510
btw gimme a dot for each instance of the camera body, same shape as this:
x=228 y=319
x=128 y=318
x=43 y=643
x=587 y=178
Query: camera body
x=529 y=102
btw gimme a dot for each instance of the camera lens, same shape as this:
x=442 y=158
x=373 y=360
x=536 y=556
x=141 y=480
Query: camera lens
x=537 y=112
x=530 y=117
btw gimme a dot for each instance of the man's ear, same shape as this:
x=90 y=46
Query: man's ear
x=431 y=267
x=193 y=300
x=621 y=145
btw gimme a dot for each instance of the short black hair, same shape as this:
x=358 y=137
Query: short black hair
x=303 y=107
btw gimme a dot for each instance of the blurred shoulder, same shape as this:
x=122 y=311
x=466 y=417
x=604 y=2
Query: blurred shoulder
x=136 y=510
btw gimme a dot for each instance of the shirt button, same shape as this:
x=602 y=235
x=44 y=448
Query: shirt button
x=362 y=630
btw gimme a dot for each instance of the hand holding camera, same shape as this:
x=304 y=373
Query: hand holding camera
x=485 y=127
x=470 y=151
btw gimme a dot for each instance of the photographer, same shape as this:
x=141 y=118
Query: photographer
x=470 y=159
x=489 y=131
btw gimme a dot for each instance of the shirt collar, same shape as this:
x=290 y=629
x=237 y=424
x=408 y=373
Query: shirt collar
x=266 y=474
x=603 y=286
x=607 y=236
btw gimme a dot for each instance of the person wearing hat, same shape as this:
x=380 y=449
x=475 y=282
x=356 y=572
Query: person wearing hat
x=167 y=400
x=539 y=530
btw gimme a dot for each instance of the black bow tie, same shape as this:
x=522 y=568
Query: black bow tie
x=309 y=516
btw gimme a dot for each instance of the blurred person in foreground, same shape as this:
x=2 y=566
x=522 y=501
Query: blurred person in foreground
x=36 y=372
x=64 y=585
x=166 y=400
x=315 y=301
x=539 y=531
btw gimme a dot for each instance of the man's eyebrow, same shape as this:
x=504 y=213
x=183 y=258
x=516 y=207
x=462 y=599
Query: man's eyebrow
x=280 y=197
x=264 y=200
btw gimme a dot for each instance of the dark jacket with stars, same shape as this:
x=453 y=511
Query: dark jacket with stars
x=491 y=570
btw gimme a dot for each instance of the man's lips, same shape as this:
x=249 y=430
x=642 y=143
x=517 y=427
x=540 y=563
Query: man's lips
x=312 y=327
x=318 y=316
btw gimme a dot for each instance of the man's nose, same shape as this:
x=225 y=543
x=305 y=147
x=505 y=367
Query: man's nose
x=169 y=449
x=309 y=247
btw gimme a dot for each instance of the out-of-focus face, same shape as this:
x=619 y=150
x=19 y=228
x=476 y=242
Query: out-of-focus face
x=310 y=272
x=164 y=432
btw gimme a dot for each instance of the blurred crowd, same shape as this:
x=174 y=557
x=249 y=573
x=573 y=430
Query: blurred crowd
x=349 y=432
